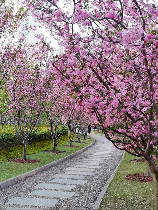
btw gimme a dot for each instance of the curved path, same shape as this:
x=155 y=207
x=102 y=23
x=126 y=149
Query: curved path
x=72 y=185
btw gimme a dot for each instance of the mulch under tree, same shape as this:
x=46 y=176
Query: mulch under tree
x=24 y=161
x=139 y=177
x=138 y=160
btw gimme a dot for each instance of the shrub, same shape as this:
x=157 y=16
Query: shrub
x=8 y=137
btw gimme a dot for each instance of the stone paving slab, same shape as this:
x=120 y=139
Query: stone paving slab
x=84 y=173
x=41 y=202
x=69 y=176
x=18 y=208
x=100 y=154
x=52 y=194
x=68 y=181
x=81 y=165
x=55 y=186
x=93 y=162
x=97 y=156
x=99 y=159
x=80 y=169
x=88 y=164
x=103 y=155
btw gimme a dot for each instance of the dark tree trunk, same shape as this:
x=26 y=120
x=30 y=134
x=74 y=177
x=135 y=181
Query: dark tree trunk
x=2 y=123
x=154 y=171
x=54 y=145
x=69 y=136
x=78 y=137
x=156 y=190
x=51 y=130
x=52 y=133
x=55 y=138
x=84 y=136
x=25 y=143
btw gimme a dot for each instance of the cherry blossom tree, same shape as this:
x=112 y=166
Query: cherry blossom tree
x=53 y=106
x=110 y=63
x=10 y=21
x=25 y=93
x=11 y=18
x=76 y=118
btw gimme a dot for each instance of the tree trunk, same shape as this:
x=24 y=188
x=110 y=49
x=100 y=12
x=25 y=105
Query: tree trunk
x=51 y=129
x=54 y=144
x=24 y=150
x=55 y=138
x=2 y=123
x=84 y=136
x=70 y=142
x=69 y=136
x=154 y=171
x=156 y=190
x=78 y=137
x=52 y=133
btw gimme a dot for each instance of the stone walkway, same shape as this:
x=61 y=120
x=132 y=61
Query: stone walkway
x=75 y=186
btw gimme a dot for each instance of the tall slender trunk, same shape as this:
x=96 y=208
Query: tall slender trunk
x=51 y=129
x=78 y=137
x=2 y=123
x=25 y=143
x=52 y=133
x=69 y=136
x=54 y=144
x=55 y=138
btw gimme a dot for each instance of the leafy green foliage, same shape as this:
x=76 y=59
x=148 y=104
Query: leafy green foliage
x=8 y=137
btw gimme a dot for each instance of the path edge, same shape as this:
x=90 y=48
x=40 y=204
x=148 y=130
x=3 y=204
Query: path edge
x=101 y=195
x=12 y=181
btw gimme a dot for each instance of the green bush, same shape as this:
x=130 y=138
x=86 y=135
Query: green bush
x=7 y=129
x=33 y=147
x=39 y=136
x=8 y=137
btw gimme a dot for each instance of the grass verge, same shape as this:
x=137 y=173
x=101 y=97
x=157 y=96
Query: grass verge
x=132 y=195
x=11 y=169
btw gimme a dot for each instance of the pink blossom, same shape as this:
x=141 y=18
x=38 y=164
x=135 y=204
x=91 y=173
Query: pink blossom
x=111 y=14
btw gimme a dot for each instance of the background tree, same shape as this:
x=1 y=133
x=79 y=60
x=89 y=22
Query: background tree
x=54 y=108
x=25 y=89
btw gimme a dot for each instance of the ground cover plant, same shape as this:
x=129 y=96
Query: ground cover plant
x=35 y=151
x=7 y=136
x=124 y=194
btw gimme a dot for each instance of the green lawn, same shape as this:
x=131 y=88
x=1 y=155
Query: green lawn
x=10 y=169
x=128 y=195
